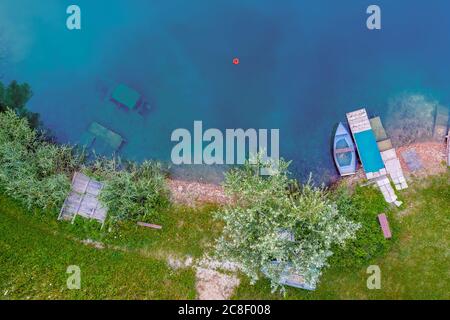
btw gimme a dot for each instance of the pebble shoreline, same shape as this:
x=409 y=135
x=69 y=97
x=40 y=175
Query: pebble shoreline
x=431 y=153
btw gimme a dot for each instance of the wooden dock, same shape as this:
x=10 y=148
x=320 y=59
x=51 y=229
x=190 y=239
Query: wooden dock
x=394 y=169
x=366 y=145
x=377 y=165
x=83 y=200
x=388 y=154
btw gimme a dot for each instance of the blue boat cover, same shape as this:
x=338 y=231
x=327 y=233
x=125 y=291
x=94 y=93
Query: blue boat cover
x=368 y=151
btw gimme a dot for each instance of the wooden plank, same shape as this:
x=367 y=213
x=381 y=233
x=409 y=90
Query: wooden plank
x=100 y=213
x=149 y=225
x=87 y=206
x=394 y=169
x=62 y=209
x=83 y=199
x=384 y=145
x=94 y=188
x=358 y=121
x=386 y=189
x=80 y=182
x=378 y=129
x=344 y=150
x=448 y=148
x=385 y=226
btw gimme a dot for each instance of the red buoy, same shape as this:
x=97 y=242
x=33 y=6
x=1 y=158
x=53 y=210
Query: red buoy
x=236 y=61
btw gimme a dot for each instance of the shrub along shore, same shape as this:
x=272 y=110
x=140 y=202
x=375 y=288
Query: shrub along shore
x=37 y=173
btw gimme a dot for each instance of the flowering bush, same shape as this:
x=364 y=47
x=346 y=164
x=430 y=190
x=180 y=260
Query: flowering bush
x=272 y=221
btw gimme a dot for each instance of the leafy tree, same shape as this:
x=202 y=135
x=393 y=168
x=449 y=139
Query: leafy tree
x=272 y=221
x=15 y=96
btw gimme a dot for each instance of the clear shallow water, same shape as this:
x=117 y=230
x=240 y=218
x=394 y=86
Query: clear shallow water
x=303 y=65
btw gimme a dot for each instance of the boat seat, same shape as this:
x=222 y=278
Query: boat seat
x=344 y=150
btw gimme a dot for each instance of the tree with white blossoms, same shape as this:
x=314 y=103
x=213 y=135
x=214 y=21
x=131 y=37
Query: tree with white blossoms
x=274 y=224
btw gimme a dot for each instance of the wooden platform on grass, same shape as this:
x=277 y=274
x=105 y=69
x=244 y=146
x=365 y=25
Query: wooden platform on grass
x=83 y=200
x=385 y=226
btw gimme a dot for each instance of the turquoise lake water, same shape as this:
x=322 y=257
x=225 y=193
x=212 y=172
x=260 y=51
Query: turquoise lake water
x=303 y=64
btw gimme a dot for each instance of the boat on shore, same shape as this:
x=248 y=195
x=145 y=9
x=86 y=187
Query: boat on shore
x=344 y=152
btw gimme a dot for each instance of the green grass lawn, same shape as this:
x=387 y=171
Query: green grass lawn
x=35 y=251
x=416 y=266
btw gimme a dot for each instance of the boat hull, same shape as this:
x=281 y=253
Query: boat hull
x=344 y=151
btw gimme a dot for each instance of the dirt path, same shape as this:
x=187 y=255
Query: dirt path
x=215 y=280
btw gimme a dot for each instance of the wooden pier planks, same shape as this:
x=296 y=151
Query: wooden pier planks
x=358 y=121
x=388 y=154
x=394 y=169
x=366 y=144
x=369 y=148
x=385 y=187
